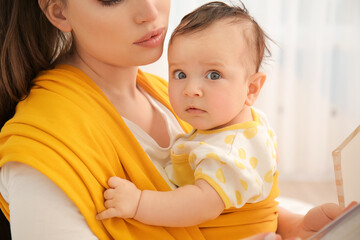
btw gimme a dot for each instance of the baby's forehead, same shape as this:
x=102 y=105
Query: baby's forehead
x=227 y=28
x=212 y=47
x=220 y=34
x=222 y=40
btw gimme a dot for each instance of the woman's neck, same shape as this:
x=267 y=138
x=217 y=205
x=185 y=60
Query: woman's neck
x=111 y=79
x=119 y=85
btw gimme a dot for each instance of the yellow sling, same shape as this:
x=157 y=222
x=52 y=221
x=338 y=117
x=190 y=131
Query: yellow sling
x=68 y=130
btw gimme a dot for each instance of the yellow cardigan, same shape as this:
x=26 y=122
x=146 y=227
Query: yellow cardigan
x=68 y=130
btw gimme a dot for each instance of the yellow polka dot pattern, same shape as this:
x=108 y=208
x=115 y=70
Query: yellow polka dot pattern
x=250 y=132
x=242 y=153
x=269 y=176
x=238 y=163
x=238 y=197
x=253 y=162
x=244 y=184
x=220 y=175
x=229 y=139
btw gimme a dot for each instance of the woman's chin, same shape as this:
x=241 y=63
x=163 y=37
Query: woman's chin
x=150 y=58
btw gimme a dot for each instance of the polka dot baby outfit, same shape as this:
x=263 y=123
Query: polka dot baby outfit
x=238 y=161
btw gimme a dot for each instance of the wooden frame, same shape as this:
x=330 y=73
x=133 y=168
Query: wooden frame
x=346 y=159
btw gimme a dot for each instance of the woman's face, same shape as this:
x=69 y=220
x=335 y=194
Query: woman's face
x=118 y=32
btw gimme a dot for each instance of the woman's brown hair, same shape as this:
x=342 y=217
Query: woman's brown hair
x=29 y=43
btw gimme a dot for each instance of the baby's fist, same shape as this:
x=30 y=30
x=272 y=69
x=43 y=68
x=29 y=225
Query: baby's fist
x=121 y=199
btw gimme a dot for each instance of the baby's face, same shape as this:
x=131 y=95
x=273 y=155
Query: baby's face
x=208 y=81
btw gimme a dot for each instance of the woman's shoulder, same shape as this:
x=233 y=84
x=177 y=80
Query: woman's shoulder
x=62 y=95
x=63 y=74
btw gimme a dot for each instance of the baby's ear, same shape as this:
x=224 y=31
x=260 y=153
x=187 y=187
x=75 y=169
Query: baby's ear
x=56 y=13
x=255 y=84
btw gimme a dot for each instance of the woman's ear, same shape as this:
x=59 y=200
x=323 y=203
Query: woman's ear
x=255 y=84
x=55 y=13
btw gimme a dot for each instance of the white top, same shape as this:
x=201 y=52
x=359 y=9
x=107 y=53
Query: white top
x=40 y=210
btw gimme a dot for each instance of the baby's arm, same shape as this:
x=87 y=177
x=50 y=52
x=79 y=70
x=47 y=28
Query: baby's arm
x=185 y=206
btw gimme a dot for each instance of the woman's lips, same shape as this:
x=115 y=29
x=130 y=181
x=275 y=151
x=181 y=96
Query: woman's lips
x=151 y=39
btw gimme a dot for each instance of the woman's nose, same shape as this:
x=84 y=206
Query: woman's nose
x=147 y=11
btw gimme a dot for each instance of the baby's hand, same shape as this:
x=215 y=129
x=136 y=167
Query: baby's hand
x=121 y=199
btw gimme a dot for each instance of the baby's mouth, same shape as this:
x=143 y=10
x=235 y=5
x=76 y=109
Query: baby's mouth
x=192 y=109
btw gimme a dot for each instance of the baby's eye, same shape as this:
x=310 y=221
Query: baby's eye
x=179 y=75
x=213 y=75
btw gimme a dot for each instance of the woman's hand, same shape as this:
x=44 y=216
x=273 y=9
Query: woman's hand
x=264 y=236
x=320 y=216
x=268 y=236
x=121 y=199
x=295 y=225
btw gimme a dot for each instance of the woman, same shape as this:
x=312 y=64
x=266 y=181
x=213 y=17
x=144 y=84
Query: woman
x=84 y=112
